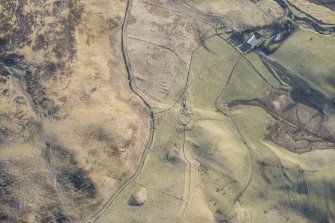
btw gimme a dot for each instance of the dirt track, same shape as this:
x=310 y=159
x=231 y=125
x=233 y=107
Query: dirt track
x=152 y=120
x=133 y=88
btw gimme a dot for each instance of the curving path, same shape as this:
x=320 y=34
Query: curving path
x=152 y=118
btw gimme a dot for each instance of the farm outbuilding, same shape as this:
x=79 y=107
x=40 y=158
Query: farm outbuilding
x=255 y=40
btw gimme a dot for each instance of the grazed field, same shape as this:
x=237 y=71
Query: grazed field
x=328 y=3
x=240 y=13
x=323 y=10
x=247 y=132
x=316 y=63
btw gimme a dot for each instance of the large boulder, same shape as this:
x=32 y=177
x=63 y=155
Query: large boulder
x=139 y=197
x=173 y=155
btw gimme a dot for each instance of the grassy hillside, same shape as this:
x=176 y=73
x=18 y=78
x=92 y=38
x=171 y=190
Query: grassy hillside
x=311 y=56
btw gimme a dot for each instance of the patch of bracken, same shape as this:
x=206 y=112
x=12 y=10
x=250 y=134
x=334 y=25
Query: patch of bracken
x=73 y=180
x=77 y=181
x=53 y=213
x=54 y=152
x=9 y=204
x=57 y=36
x=3 y=71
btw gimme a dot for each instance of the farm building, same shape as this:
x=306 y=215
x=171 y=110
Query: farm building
x=255 y=40
x=278 y=38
